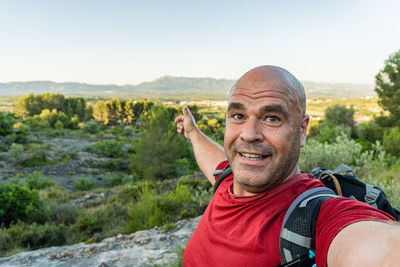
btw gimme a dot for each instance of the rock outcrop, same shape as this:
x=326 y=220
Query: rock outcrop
x=142 y=248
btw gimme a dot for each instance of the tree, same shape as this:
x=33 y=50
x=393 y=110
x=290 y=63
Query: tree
x=160 y=151
x=338 y=120
x=7 y=121
x=340 y=115
x=387 y=86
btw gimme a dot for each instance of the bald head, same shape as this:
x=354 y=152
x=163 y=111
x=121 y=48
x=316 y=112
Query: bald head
x=272 y=76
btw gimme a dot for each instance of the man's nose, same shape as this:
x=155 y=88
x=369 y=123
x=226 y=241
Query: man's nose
x=251 y=131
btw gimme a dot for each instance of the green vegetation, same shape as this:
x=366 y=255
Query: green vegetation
x=160 y=152
x=388 y=87
x=139 y=157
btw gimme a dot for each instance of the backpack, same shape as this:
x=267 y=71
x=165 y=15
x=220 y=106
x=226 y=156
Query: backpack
x=297 y=237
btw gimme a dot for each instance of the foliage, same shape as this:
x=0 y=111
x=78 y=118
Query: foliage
x=388 y=180
x=338 y=120
x=370 y=131
x=35 y=180
x=33 y=236
x=16 y=152
x=340 y=115
x=90 y=127
x=7 y=121
x=31 y=105
x=343 y=151
x=160 y=148
x=115 y=111
x=110 y=180
x=215 y=128
x=327 y=132
x=387 y=86
x=391 y=141
x=128 y=131
x=18 y=203
x=37 y=123
x=84 y=184
x=109 y=148
x=151 y=211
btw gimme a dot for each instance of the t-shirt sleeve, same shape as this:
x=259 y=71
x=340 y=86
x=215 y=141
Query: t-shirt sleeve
x=336 y=214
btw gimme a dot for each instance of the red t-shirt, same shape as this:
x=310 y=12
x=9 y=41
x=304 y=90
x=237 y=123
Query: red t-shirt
x=244 y=231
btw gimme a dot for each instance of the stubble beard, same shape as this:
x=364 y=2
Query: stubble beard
x=275 y=171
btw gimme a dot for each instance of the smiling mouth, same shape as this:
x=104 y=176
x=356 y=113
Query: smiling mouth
x=252 y=156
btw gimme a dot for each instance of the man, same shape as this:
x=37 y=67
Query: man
x=266 y=126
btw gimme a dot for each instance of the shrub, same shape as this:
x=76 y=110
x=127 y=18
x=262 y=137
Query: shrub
x=91 y=127
x=36 y=123
x=343 y=151
x=119 y=179
x=145 y=213
x=7 y=121
x=16 y=152
x=370 y=131
x=31 y=236
x=84 y=184
x=109 y=148
x=391 y=141
x=35 y=180
x=59 y=125
x=159 y=147
x=316 y=154
x=128 y=131
x=18 y=203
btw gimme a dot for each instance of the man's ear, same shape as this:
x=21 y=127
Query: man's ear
x=303 y=130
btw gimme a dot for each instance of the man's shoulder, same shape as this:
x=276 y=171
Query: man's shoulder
x=222 y=165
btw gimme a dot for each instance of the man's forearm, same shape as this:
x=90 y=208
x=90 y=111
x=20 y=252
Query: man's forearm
x=207 y=153
x=366 y=243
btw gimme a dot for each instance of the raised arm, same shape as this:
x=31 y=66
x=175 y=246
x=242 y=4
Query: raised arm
x=366 y=243
x=207 y=152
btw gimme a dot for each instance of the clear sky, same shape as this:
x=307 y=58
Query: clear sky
x=128 y=42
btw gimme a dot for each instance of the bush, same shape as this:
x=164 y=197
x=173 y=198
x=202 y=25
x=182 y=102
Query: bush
x=34 y=236
x=109 y=148
x=94 y=225
x=91 y=127
x=35 y=180
x=370 y=131
x=16 y=152
x=340 y=115
x=19 y=203
x=128 y=131
x=327 y=132
x=120 y=179
x=83 y=184
x=7 y=121
x=151 y=210
x=343 y=151
x=391 y=141
x=316 y=154
x=160 y=147
x=36 y=123
x=59 y=125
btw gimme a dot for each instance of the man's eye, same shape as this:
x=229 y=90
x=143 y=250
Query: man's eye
x=272 y=119
x=237 y=116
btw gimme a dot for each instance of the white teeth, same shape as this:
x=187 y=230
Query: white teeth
x=251 y=156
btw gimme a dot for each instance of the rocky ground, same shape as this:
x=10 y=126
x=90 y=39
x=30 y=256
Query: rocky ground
x=143 y=248
x=83 y=163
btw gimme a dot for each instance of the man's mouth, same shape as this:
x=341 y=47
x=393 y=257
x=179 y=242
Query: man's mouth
x=252 y=156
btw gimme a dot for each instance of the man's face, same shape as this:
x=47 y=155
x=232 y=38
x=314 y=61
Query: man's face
x=264 y=133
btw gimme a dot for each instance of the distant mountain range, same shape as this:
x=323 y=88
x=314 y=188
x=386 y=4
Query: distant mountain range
x=168 y=87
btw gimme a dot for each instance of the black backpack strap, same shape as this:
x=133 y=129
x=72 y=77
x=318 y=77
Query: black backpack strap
x=222 y=175
x=297 y=235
